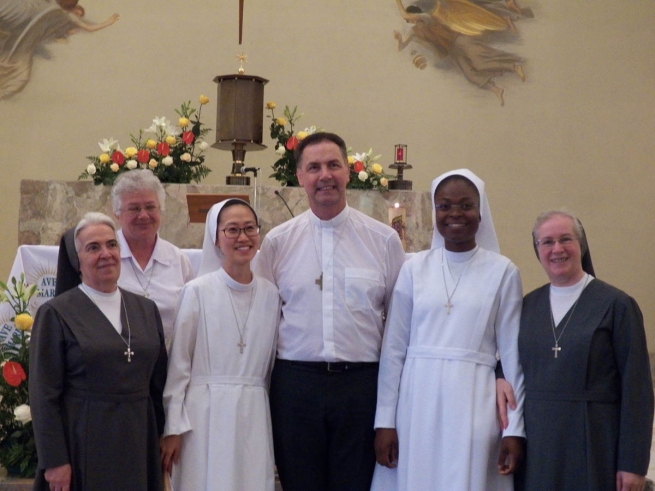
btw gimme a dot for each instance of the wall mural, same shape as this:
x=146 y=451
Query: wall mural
x=459 y=34
x=26 y=26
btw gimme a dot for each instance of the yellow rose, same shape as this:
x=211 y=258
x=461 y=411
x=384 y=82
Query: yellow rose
x=280 y=121
x=376 y=168
x=153 y=163
x=384 y=182
x=351 y=160
x=203 y=99
x=270 y=105
x=301 y=135
x=151 y=144
x=170 y=139
x=24 y=322
x=183 y=122
x=114 y=167
x=130 y=152
x=103 y=158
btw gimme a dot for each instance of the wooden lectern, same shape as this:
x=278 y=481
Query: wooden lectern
x=199 y=204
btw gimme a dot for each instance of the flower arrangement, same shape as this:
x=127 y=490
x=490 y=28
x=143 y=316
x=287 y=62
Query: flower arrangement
x=365 y=171
x=173 y=153
x=17 y=447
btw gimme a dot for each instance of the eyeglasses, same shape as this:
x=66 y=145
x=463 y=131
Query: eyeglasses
x=136 y=210
x=446 y=207
x=235 y=232
x=549 y=242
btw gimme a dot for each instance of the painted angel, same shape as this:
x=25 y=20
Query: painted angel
x=479 y=62
x=27 y=24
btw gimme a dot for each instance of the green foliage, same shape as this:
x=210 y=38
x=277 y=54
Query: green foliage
x=17 y=447
x=285 y=167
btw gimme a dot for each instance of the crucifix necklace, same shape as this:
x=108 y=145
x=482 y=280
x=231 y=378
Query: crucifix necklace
x=319 y=281
x=146 y=293
x=128 y=352
x=242 y=330
x=449 y=305
x=557 y=348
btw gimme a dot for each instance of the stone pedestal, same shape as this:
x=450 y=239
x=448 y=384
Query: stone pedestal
x=48 y=208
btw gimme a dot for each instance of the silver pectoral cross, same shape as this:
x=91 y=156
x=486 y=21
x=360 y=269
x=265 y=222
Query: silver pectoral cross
x=448 y=306
x=241 y=345
x=556 y=348
x=129 y=353
x=319 y=281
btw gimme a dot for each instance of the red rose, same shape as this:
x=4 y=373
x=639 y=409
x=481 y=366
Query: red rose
x=118 y=157
x=358 y=166
x=143 y=156
x=292 y=143
x=163 y=149
x=13 y=373
x=188 y=137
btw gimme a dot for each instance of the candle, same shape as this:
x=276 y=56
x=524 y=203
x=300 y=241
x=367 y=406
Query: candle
x=401 y=154
x=397 y=221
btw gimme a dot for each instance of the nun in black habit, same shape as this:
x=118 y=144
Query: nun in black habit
x=97 y=373
x=588 y=391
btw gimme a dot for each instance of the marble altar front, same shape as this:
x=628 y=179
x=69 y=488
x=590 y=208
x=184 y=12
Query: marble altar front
x=48 y=208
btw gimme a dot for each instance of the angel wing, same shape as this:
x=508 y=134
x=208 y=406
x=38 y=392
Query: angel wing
x=465 y=17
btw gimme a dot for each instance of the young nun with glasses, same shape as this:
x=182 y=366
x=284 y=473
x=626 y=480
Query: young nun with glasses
x=218 y=425
x=454 y=307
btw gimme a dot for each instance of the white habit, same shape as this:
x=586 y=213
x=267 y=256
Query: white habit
x=437 y=384
x=162 y=279
x=217 y=397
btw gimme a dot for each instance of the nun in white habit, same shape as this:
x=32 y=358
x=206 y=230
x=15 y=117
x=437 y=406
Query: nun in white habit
x=454 y=307
x=218 y=426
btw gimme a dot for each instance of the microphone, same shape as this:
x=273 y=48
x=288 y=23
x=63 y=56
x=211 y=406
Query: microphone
x=245 y=169
x=285 y=202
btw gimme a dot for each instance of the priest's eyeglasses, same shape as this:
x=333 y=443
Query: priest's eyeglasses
x=548 y=242
x=135 y=211
x=234 y=232
x=446 y=207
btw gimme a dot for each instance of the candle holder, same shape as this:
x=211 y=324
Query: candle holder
x=400 y=164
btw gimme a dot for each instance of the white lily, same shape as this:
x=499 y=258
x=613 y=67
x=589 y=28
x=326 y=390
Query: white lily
x=158 y=123
x=172 y=130
x=108 y=145
x=361 y=157
x=311 y=130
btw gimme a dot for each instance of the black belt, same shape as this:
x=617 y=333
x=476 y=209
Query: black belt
x=329 y=366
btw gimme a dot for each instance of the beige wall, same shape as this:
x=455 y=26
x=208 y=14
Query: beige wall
x=578 y=133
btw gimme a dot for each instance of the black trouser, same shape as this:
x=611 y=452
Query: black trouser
x=323 y=416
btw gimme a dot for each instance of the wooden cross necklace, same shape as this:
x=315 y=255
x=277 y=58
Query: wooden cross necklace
x=557 y=348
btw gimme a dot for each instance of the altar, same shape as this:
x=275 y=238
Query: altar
x=48 y=208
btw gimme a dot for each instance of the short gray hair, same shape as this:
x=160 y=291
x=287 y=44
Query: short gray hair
x=133 y=181
x=92 y=218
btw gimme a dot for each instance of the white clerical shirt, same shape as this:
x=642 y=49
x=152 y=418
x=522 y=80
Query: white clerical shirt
x=167 y=271
x=335 y=279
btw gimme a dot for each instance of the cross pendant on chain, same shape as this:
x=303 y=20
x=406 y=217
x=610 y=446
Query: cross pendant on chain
x=448 y=306
x=556 y=348
x=319 y=282
x=241 y=345
x=129 y=353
